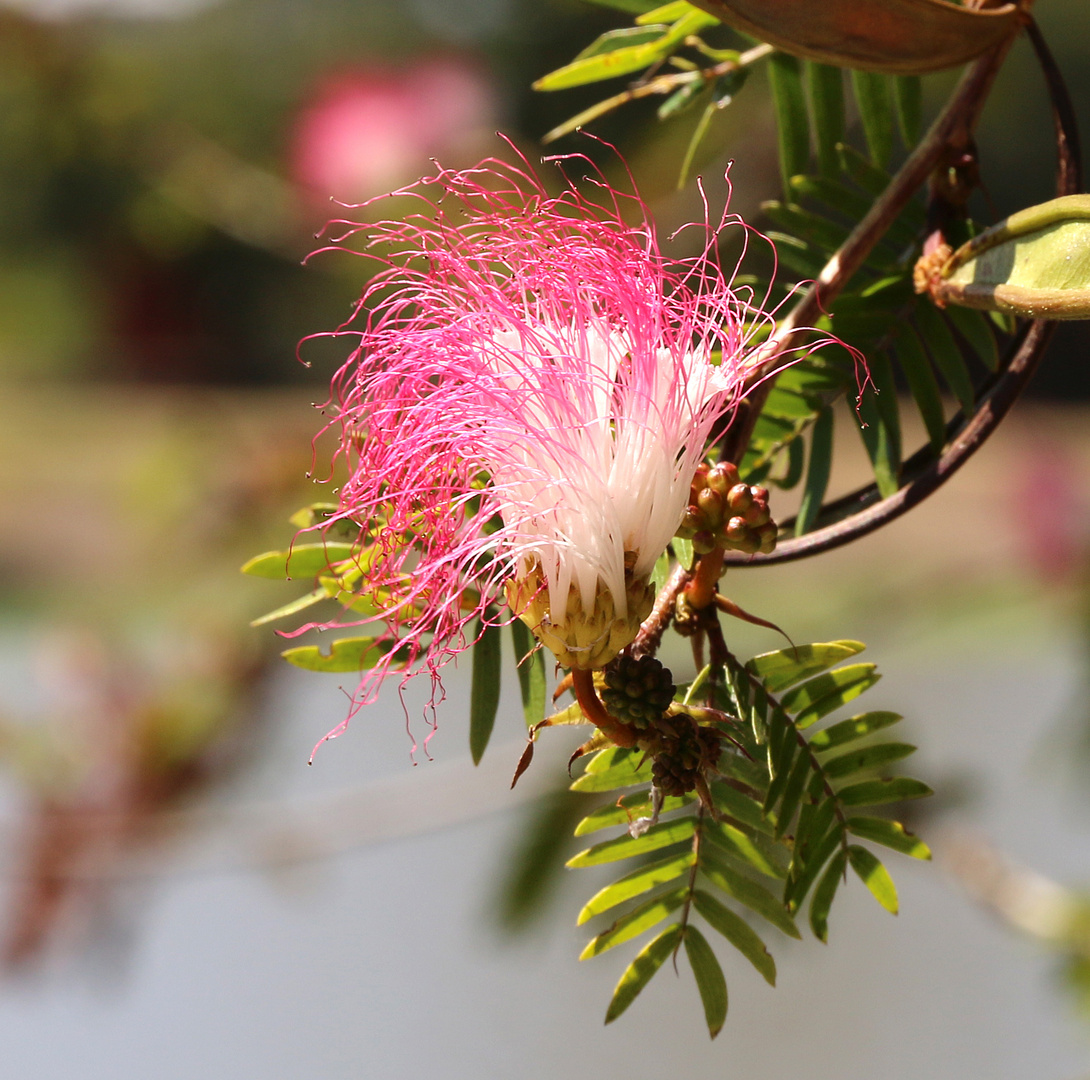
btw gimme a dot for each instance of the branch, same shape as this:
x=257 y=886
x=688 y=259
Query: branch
x=1027 y=351
x=953 y=126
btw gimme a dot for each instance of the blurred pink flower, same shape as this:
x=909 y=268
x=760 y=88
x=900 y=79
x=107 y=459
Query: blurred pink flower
x=531 y=392
x=365 y=132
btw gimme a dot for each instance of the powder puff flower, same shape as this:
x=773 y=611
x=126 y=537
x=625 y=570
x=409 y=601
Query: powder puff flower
x=532 y=388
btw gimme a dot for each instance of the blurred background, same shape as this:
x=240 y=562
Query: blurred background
x=180 y=894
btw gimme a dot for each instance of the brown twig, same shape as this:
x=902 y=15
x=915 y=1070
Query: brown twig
x=649 y=637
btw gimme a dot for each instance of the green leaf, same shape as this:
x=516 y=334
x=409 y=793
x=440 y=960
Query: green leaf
x=798 y=886
x=790 y=404
x=848 y=730
x=292 y=608
x=877 y=792
x=908 y=97
x=612 y=40
x=746 y=891
x=922 y=383
x=742 y=808
x=635 y=922
x=634 y=884
x=792 y=125
x=876 y=111
x=622 y=847
x=974 y=328
x=867 y=175
x=814 y=822
x=484 y=693
x=792 y=793
x=875 y=876
x=890 y=833
x=314 y=514
x=826 y=86
x=640 y=972
x=734 y=842
x=683 y=551
x=945 y=353
x=824 y=234
x=870 y=757
x=781 y=761
x=623 y=774
x=822 y=899
x=300 y=561
x=820 y=695
x=796 y=255
x=881 y=430
x=738 y=932
x=834 y=194
x=695 y=140
x=345 y=654
x=611 y=757
x=817 y=474
x=784 y=668
x=627 y=810
x=626 y=59
x=681 y=99
x=531 y=671
x=709 y=979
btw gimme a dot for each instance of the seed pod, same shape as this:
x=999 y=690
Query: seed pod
x=1035 y=264
x=904 y=37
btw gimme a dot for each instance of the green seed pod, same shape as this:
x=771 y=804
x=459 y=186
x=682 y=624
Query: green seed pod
x=1036 y=264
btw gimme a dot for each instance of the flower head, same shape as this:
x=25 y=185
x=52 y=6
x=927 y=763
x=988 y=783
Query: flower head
x=533 y=386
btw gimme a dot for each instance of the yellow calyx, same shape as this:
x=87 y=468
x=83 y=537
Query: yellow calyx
x=583 y=640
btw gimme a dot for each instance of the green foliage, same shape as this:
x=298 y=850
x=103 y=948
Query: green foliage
x=781 y=829
x=484 y=694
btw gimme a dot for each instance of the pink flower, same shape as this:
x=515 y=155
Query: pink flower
x=533 y=387
x=366 y=130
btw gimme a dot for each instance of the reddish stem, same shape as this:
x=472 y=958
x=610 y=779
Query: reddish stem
x=701 y=590
x=595 y=711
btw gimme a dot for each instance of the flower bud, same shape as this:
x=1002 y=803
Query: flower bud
x=691 y=523
x=766 y=535
x=740 y=498
x=711 y=503
x=757 y=514
x=736 y=530
x=723 y=477
x=703 y=542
